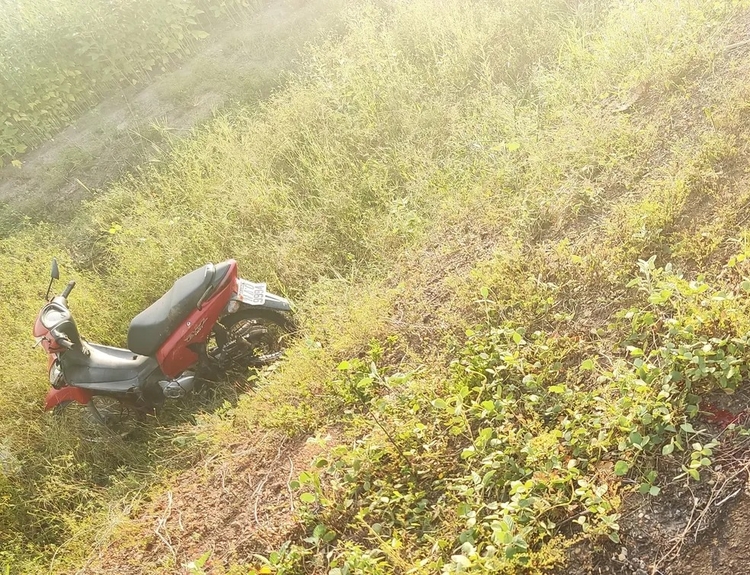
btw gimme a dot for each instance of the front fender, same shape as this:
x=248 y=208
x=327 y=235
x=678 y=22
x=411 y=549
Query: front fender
x=56 y=397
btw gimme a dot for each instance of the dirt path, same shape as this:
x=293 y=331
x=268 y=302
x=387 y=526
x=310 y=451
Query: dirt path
x=132 y=128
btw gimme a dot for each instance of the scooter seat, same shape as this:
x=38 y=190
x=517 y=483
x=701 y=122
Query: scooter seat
x=106 y=368
x=150 y=328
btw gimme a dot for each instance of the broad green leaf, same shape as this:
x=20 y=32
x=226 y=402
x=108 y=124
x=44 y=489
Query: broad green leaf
x=468 y=452
x=621 y=468
x=461 y=560
x=687 y=428
x=201 y=561
x=636 y=438
x=307 y=498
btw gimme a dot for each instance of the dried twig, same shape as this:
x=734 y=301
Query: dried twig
x=727 y=498
x=223 y=478
x=736 y=45
x=288 y=488
x=259 y=490
x=698 y=524
x=162 y=524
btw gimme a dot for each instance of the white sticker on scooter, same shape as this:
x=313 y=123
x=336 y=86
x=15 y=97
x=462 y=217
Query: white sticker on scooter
x=252 y=293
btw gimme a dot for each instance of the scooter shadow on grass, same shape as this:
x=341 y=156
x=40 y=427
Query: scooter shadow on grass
x=117 y=423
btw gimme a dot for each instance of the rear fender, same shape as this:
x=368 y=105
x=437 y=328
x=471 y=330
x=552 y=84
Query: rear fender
x=274 y=301
x=57 y=396
x=270 y=301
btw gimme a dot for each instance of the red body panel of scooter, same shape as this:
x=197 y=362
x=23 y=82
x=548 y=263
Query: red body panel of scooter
x=174 y=355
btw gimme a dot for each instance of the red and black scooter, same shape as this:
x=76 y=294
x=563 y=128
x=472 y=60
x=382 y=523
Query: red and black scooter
x=210 y=321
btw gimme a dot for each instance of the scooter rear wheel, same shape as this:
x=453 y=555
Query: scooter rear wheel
x=250 y=338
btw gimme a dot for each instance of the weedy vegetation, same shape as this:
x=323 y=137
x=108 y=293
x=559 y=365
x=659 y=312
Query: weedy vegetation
x=516 y=235
x=58 y=59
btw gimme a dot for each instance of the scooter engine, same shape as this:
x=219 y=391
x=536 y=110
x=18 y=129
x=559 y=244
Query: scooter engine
x=180 y=387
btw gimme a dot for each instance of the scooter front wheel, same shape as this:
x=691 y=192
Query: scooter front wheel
x=98 y=419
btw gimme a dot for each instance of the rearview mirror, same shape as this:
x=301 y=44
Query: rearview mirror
x=55 y=270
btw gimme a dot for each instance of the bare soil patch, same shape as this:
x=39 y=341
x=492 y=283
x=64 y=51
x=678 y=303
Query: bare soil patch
x=689 y=528
x=233 y=506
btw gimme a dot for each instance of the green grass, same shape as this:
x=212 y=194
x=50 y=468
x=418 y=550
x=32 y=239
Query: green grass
x=457 y=205
x=59 y=60
x=242 y=65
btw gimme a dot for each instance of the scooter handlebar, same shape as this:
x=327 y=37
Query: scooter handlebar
x=61 y=339
x=68 y=288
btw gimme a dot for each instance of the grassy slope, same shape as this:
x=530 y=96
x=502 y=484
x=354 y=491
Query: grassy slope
x=60 y=60
x=239 y=65
x=494 y=165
